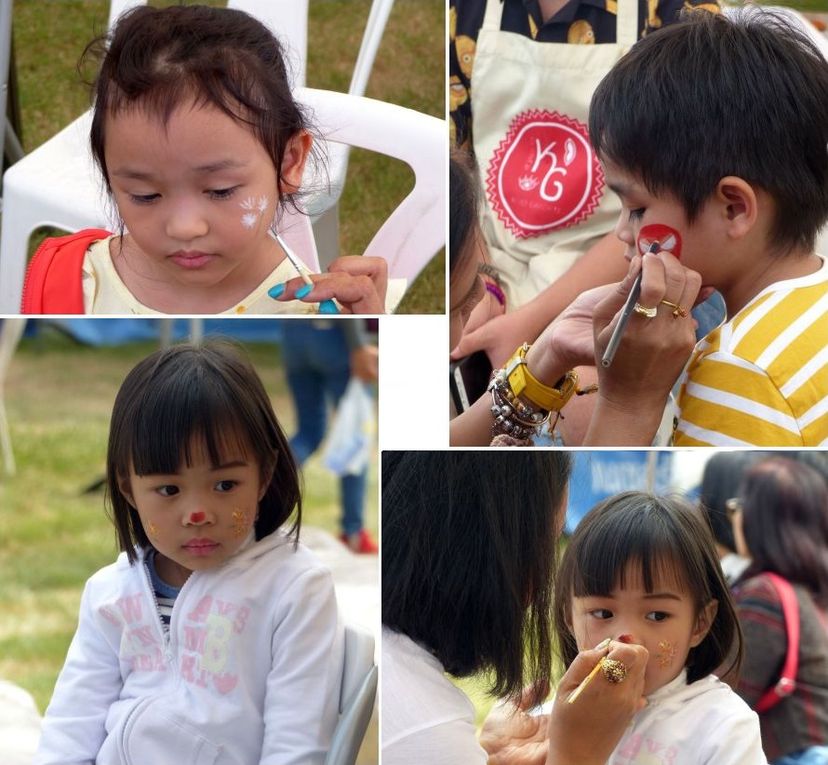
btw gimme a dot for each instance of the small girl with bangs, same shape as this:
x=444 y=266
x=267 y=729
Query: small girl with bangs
x=201 y=146
x=643 y=569
x=214 y=637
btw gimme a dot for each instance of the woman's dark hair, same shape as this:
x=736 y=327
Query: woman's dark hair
x=720 y=482
x=160 y=58
x=785 y=523
x=464 y=201
x=717 y=95
x=190 y=392
x=666 y=537
x=469 y=544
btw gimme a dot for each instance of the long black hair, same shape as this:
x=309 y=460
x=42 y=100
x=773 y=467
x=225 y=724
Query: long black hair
x=469 y=544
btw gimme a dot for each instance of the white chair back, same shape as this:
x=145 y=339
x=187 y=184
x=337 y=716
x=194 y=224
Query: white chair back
x=357 y=696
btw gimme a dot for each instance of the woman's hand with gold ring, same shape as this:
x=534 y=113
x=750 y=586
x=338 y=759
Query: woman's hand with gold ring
x=678 y=311
x=641 y=310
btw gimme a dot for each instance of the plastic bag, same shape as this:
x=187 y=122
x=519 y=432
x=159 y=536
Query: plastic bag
x=349 y=442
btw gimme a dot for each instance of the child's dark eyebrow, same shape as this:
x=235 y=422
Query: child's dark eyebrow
x=228 y=465
x=619 y=188
x=224 y=164
x=662 y=596
x=212 y=167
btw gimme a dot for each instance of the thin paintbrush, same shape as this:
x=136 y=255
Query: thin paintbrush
x=626 y=312
x=326 y=306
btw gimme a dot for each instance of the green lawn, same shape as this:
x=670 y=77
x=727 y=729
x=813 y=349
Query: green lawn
x=52 y=536
x=409 y=70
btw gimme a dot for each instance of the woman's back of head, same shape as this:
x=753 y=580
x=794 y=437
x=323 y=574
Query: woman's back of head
x=469 y=550
x=785 y=523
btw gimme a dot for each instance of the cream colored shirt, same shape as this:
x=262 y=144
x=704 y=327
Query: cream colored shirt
x=104 y=292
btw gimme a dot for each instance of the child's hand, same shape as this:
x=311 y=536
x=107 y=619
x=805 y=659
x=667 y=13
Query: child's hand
x=357 y=283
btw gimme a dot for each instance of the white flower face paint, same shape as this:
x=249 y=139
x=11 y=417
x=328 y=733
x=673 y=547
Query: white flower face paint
x=254 y=208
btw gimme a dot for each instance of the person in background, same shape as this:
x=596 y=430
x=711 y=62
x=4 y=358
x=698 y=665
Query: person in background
x=780 y=522
x=720 y=482
x=320 y=357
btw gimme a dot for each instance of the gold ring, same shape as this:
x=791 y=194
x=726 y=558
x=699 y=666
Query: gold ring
x=677 y=309
x=650 y=313
x=614 y=671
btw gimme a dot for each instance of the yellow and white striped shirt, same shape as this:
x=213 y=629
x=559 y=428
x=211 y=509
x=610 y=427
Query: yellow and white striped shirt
x=761 y=379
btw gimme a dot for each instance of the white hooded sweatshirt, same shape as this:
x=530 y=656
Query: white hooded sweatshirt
x=249 y=673
x=704 y=723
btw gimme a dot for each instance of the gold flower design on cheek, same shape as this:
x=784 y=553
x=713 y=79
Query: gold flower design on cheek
x=241 y=522
x=666 y=653
x=152 y=530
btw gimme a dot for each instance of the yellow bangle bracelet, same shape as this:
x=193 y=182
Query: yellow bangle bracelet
x=524 y=383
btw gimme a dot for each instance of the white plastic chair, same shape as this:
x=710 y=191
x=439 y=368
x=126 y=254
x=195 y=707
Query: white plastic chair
x=11 y=330
x=356 y=700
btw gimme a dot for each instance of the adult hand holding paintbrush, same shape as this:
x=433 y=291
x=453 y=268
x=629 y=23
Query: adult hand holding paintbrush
x=588 y=729
x=581 y=733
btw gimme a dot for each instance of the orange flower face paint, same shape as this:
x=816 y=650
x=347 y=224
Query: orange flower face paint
x=152 y=530
x=241 y=519
x=666 y=653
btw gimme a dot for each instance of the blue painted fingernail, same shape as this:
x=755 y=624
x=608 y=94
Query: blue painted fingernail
x=304 y=291
x=328 y=306
x=276 y=292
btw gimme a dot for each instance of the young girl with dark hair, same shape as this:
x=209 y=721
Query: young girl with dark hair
x=201 y=146
x=643 y=570
x=215 y=635
x=780 y=521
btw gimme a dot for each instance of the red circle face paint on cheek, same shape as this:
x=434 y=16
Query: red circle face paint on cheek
x=197 y=517
x=667 y=238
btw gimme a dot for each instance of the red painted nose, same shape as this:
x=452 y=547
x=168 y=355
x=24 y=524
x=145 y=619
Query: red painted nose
x=197 y=517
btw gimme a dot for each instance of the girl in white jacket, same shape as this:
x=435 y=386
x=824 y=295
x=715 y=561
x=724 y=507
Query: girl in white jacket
x=214 y=639
x=643 y=569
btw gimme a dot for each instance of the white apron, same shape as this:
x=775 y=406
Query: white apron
x=546 y=200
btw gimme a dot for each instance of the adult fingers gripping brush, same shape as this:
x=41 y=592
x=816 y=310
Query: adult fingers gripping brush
x=652 y=238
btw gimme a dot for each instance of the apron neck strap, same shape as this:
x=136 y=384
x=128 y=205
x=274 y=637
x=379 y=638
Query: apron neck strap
x=626 y=25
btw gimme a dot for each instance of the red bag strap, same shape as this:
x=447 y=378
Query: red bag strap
x=53 y=278
x=787 y=680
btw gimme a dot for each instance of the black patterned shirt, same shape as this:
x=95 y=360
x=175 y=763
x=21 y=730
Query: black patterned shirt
x=583 y=22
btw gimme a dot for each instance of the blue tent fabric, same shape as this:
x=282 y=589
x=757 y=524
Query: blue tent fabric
x=597 y=475
x=118 y=331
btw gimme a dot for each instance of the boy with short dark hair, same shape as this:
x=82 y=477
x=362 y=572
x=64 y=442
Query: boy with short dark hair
x=718 y=127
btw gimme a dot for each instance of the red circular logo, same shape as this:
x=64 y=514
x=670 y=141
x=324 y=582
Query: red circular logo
x=544 y=174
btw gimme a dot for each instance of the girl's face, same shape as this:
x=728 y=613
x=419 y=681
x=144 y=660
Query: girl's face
x=664 y=621
x=197 y=517
x=197 y=196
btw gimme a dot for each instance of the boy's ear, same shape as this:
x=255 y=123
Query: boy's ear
x=739 y=203
x=294 y=159
x=704 y=622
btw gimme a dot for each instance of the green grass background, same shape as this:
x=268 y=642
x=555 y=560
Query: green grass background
x=59 y=397
x=50 y=35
